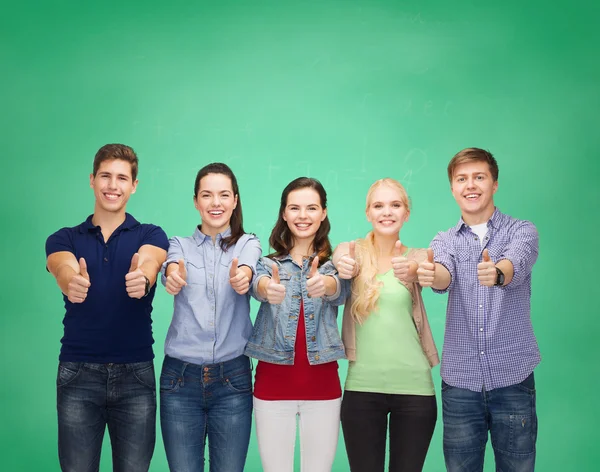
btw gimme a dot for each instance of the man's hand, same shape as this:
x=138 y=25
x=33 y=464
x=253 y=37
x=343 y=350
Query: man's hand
x=238 y=279
x=135 y=280
x=78 y=285
x=486 y=270
x=426 y=270
x=176 y=279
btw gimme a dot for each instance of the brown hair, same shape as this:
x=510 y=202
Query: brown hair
x=473 y=155
x=110 y=152
x=282 y=239
x=236 y=222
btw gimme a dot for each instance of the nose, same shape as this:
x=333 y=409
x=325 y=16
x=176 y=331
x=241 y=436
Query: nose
x=302 y=213
x=112 y=183
x=216 y=201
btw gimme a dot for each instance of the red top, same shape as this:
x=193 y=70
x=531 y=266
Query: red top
x=300 y=381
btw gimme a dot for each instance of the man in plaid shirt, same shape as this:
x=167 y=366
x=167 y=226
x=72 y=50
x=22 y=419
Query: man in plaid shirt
x=490 y=351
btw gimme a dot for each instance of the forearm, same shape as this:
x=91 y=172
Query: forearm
x=262 y=286
x=150 y=268
x=442 y=277
x=331 y=285
x=507 y=269
x=63 y=274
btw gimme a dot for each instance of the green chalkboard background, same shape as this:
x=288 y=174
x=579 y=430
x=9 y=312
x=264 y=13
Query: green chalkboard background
x=345 y=91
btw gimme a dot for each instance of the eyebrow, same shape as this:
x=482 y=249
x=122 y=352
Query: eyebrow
x=104 y=172
x=218 y=191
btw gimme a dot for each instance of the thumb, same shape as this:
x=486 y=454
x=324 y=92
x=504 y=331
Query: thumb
x=397 y=248
x=313 y=267
x=430 y=255
x=83 y=269
x=275 y=276
x=134 y=262
x=182 y=270
x=486 y=256
x=352 y=250
x=234 y=268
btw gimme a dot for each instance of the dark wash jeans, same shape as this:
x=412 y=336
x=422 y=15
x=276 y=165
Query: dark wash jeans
x=200 y=401
x=93 y=396
x=507 y=413
x=365 y=425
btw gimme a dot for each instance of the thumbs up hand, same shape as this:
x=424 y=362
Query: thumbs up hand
x=275 y=290
x=347 y=266
x=486 y=270
x=400 y=264
x=177 y=279
x=315 y=285
x=135 y=280
x=79 y=284
x=238 y=279
x=426 y=270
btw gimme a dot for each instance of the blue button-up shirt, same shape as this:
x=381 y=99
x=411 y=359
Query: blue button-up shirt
x=211 y=321
x=489 y=341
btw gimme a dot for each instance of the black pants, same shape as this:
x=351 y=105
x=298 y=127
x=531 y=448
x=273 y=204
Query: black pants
x=365 y=424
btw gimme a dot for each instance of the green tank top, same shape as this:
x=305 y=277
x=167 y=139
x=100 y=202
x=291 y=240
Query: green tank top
x=389 y=356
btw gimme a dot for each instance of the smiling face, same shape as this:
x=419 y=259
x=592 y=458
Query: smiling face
x=387 y=209
x=473 y=188
x=215 y=201
x=303 y=213
x=113 y=185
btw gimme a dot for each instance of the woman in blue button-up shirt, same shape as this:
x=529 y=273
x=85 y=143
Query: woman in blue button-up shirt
x=296 y=337
x=206 y=383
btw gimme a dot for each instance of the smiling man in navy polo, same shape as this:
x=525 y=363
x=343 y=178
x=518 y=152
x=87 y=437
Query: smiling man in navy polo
x=106 y=268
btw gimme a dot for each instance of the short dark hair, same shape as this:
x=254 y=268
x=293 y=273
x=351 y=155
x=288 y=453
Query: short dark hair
x=282 y=239
x=473 y=155
x=237 y=220
x=110 y=152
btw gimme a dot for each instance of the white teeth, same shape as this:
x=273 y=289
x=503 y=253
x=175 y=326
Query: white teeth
x=471 y=196
x=302 y=225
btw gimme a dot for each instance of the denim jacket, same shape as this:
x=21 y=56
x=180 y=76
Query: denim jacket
x=274 y=334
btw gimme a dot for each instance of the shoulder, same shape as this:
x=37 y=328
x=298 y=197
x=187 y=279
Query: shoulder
x=515 y=225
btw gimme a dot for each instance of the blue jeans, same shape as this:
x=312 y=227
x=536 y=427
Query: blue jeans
x=92 y=396
x=200 y=401
x=507 y=413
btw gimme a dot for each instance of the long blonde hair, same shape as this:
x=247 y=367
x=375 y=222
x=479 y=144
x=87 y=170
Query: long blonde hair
x=365 y=286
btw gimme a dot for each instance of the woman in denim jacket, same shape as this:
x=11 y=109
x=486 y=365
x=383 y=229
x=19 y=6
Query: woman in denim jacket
x=388 y=342
x=296 y=337
x=206 y=380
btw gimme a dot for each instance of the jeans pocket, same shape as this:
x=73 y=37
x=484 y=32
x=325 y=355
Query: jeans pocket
x=67 y=372
x=445 y=386
x=144 y=374
x=169 y=381
x=239 y=382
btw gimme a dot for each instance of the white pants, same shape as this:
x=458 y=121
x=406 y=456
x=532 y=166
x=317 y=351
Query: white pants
x=319 y=422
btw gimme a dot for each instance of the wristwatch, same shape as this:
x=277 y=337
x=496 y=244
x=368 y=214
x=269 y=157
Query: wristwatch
x=499 y=277
x=147 y=287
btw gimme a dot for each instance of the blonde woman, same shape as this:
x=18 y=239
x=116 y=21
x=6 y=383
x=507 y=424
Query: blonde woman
x=387 y=340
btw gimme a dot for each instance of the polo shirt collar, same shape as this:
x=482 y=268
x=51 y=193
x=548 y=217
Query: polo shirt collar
x=129 y=223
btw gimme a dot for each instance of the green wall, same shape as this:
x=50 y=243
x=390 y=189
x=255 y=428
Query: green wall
x=345 y=91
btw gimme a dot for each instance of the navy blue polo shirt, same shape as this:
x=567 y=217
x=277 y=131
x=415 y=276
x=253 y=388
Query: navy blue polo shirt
x=109 y=326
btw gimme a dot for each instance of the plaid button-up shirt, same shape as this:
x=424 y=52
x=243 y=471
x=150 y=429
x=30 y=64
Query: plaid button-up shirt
x=489 y=341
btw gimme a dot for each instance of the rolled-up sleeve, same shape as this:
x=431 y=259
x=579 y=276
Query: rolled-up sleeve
x=522 y=251
x=443 y=254
x=250 y=254
x=263 y=269
x=174 y=253
x=336 y=298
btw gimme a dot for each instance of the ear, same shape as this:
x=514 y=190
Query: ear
x=194 y=198
x=407 y=216
x=91 y=180
x=324 y=214
x=495 y=187
x=135 y=186
x=235 y=200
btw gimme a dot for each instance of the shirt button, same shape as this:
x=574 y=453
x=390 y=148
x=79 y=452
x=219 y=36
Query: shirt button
x=206 y=369
x=480 y=306
x=314 y=338
x=476 y=238
x=106 y=259
x=480 y=329
x=311 y=317
x=317 y=357
x=482 y=353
